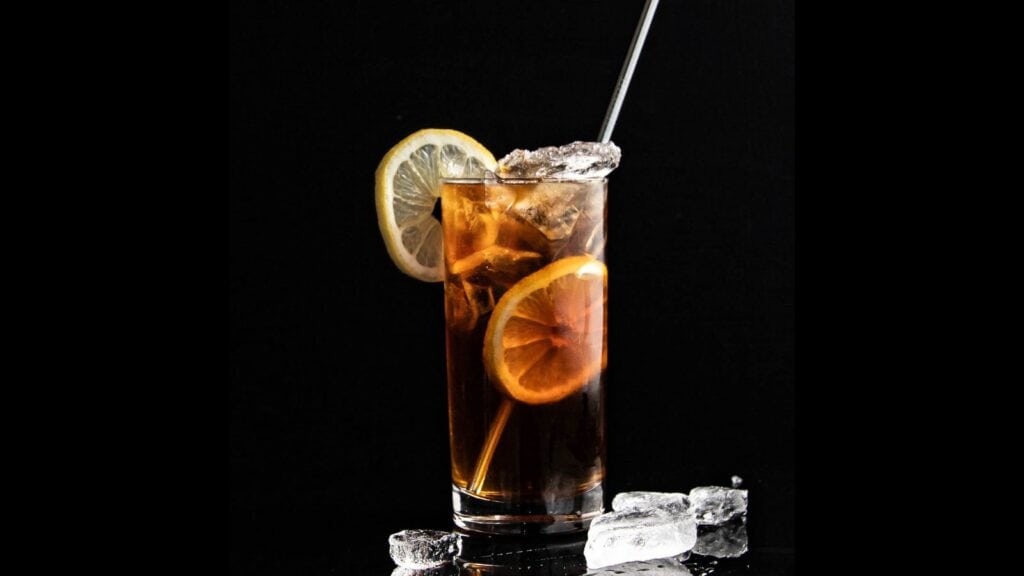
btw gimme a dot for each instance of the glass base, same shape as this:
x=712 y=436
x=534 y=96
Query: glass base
x=477 y=515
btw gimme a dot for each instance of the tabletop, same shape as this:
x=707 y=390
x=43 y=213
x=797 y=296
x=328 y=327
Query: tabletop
x=359 y=546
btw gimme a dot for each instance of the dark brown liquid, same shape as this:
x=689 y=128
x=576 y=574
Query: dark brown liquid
x=545 y=451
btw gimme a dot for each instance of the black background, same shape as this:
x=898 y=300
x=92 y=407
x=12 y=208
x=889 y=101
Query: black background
x=337 y=400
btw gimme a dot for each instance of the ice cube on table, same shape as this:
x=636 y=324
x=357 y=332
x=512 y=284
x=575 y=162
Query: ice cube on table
x=675 y=501
x=634 y=535
x=665 y=567
x=726 y=541
x=575 y=160
x=716 y=504
x=423 y=548
x=446 y=570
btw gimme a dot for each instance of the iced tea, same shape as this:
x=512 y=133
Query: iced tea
x=525 y=309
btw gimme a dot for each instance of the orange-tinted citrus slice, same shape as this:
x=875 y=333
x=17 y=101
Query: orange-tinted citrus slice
x=546 y=336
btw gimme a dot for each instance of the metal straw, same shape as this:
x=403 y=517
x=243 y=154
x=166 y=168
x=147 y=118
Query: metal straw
x=627 y=70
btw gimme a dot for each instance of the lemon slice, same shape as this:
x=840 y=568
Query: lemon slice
x=546 y=337
x=407 y=188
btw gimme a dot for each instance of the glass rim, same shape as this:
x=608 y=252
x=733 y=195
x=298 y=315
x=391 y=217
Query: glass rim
x=521 y=180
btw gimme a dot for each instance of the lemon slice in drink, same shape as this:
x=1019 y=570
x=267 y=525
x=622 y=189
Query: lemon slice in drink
x=407 y=188
x=546 y=337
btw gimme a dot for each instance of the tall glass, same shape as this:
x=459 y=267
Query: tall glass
x=526 y=333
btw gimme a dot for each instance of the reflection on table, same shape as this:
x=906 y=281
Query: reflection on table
x=720 y=550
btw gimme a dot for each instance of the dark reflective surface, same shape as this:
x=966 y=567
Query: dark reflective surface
x=539 y=556
x=347 y=544
x=563 y=556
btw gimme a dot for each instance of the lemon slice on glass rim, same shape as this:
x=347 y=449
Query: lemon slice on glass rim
x=408 y=185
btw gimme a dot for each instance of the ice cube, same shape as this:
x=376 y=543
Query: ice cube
x=633 y=535
x=736 y=481
x=499 y=198
x=673 y=501
x=446 y=570
x=481 y=298
x=725 y=541
x=716 y=504
x=578 y=159
x=517 y=234
x=423 y=548
x=666 y=567
x=594 y=244
x=588 y=234
x=551 y=208
x=458 y=312
x=471 y=227
x=496 y=265
x=465 y=303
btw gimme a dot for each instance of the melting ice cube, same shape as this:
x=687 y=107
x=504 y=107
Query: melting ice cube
x=445 y=570
x=423 y=548
x=632 y=535
x=668 y=567
x=717 y=505
x=496 y=265
x=465 y=303
x=674 y=501
x=725 y=541
x=550 y=208
x=575 y=160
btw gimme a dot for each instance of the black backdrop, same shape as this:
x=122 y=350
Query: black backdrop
x=337 y=405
